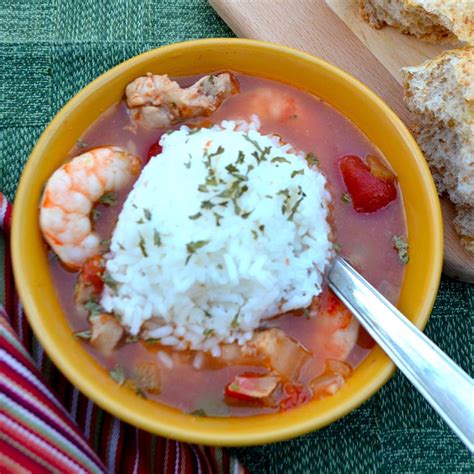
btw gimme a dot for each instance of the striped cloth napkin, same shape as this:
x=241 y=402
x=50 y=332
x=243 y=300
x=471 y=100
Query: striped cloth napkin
x=48 y=426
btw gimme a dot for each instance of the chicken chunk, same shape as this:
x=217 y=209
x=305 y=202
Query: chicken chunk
x=159 y=102
x=106 y=333
x=287 y=357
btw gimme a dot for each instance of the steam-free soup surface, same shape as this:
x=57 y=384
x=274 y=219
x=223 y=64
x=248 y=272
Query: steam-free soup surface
x=313 y=126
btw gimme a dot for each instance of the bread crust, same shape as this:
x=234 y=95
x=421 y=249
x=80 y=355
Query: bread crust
x=430 y=20
x=440 y=96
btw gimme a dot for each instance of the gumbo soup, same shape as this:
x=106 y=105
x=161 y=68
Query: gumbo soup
x=190 y=229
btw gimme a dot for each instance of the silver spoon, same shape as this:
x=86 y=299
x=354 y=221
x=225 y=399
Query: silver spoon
x=446 y=387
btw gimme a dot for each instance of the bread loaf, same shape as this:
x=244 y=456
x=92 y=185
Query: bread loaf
x=431 y=20
x=440 y=95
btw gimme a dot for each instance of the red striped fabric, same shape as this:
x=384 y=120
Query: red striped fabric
x=48 y=426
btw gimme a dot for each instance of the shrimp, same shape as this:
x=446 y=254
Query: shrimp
x=70 y=195
x=271 y=105
x=337 y=329
x=159 y=102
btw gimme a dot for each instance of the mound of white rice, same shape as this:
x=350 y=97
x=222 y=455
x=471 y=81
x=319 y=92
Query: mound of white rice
x=224 y=228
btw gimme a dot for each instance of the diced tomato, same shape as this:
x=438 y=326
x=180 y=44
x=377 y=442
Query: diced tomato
x=92 y=272
x=293 y=396
x=368 y=191
x=250 y=386
x=154 y=150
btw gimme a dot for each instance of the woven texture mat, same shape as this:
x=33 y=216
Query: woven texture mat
x=49 y=50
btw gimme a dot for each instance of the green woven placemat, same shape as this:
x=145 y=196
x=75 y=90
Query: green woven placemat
x=49 y=50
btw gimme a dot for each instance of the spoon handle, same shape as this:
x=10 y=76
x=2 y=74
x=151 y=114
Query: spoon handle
x=448 y=389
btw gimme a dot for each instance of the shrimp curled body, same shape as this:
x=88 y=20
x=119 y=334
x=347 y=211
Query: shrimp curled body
x=70 y=195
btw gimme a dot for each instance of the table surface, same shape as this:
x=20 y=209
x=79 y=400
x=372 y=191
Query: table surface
x=49 y=50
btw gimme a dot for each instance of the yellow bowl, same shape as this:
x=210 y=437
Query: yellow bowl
x=355 y=101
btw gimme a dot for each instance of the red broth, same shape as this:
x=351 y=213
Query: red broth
x=309 y=124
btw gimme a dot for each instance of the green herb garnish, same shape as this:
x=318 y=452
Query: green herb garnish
x=219 y=151
x=232 y=168
x=93 y=307
x=240 y=158
x=280 y=159
x=199 y=412
x=297 y=172
x=83 y=334
x=142 y=246
x=147 y=213
x=109 y=281
x=311 y=159
x=152 y=340
x=211 y=181
x=235 y=322
x=284 y=192
x=105 y=244
x=253 y=142
x=255 y=235
x=206 y=205
x=95 y=214
x=195 y=216
x=118 y=374
x=294 y=208
x=108 y=199
x=156 y=238
x=191 y=248
x=346 y=199
x=208 y=332
x=218 y=218
x=401 y=245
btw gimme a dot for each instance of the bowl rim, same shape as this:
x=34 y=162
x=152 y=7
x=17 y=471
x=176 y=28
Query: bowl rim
x=194 y=433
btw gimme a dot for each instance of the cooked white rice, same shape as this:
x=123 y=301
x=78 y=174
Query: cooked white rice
x=217 y=236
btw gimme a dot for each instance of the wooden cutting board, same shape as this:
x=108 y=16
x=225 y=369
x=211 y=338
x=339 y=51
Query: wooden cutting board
x=334 y=31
